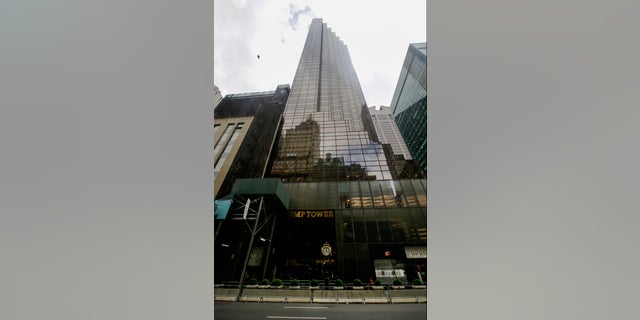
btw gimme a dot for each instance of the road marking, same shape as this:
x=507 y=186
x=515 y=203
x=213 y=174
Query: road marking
x=306 y=307
x=283 y=317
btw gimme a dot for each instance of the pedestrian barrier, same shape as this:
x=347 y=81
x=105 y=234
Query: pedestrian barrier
x=320 y=296
x=275 y=295
x=408 y=296
x=226 y=294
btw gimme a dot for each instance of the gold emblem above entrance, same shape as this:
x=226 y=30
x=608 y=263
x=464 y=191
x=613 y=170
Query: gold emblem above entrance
x=326 y=249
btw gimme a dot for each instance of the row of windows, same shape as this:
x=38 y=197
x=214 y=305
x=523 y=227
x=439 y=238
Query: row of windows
x=381 y=116
x=358 y=194
x=381 y=225
x=225 y=145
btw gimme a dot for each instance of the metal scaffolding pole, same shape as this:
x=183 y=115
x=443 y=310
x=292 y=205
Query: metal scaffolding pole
x=253 y=234
x=273 y=226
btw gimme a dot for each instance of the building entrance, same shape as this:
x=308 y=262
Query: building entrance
x=307 y=245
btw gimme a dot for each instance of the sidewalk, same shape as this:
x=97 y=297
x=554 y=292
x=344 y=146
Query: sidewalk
x=306 y=295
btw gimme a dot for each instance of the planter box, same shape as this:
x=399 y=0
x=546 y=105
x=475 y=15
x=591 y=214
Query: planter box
x=294 y=287
x=338 y=288
x=397 y=287
x=358 y=287
x=275 y=287
x=419 y=286
x=314 y=287
x=377 y=287
x=264 y=286
x=251 y=286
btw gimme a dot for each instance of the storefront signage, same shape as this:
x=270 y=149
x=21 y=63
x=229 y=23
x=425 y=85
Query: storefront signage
x=416 y=252
x=312 y=214
x=389 y=273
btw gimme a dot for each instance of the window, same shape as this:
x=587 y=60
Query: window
x=227 y=148
x=221 y=141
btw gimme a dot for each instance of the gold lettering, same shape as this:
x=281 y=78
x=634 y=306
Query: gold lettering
x=312 y=214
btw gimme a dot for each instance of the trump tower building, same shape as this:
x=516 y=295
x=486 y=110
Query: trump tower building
x=330 y=202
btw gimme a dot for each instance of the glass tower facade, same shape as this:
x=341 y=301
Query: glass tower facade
x=328 y=134
x=354 y=211
x=409 y=103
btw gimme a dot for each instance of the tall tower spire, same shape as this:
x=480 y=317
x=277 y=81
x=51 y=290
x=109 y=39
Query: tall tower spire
x=327 y=88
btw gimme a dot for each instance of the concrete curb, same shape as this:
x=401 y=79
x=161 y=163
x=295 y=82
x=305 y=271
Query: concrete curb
x=321 y=296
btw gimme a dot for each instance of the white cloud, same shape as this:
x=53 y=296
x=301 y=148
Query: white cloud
x=294 y=15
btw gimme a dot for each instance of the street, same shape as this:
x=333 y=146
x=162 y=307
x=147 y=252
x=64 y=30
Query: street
x=251 y=311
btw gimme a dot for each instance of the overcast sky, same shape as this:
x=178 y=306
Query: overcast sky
x=377 y=34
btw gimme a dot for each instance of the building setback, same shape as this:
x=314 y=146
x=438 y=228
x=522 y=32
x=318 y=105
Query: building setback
x=409 y=102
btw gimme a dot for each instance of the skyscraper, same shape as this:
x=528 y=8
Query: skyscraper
x=399 y=159
x=326 y=118
x=331 y=207
x=388 y=131
x=409 y=103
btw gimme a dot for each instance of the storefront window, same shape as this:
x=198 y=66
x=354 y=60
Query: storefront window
x=376 y=193
x=346 y=227
x=420 y=190
x=354 y=192
x=358 y=227
x=365 y=193
x=372 y=229
x=313 y=199
x=388 y=194
x=384 y=226
x=409 y=193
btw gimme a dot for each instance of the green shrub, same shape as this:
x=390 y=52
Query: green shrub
x=314 y=283
x=339 y=282
x=295 y=282
x=253 y=281
x=276 y=282
x=357 y=282
x=417 y=282
x=377 y=283
x=397 y=282
x=264 y=282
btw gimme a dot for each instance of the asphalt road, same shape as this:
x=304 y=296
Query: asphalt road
x=293 y=311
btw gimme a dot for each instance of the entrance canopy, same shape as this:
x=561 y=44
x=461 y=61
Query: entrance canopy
x=272 y=189
x=221 y=207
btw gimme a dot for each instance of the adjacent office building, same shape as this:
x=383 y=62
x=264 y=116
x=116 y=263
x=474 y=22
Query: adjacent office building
x=409 y=103
x=330 y=206
x=246 y=128
x=400 y=162
x=388 y=131
x=217 y=96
